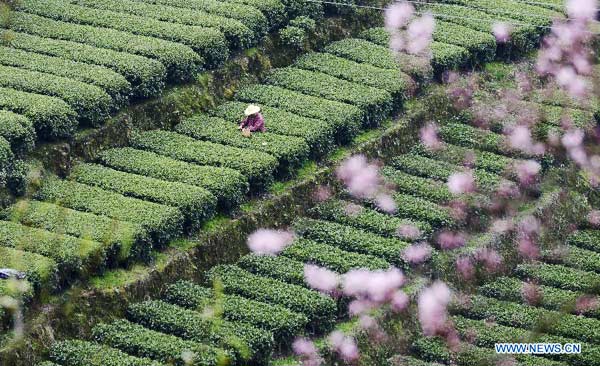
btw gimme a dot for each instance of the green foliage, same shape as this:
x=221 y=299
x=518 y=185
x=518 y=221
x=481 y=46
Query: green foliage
x=574 y=257
x=249 y=15
x=560 y=276
x=396 y=83
x=376 y=103
x=304 y=22
x=529 y=317
x=91 y=103
x=293 y=36
x=284 y=323
x=110 y=81
x=208 y=42
x=257 y=166
x=440 y=170
x=427 y=188
x=41 y=271
x=82 y=353
x=18 y=131
x=523 y=37
x=196 y=203
x=530 y=14
x=475 y=138
x=162 y=222
x=445 y=56
x=290 y=151
x=344 y=118
x=319 y=309
x=417 y=208
x=490 y=334
x=332 y=257
x=71 y=254
x=317 y=133
x=228 y=185
x=365 y=218
x=453 y=154
x=482 y=46
x=351 y=239
x=241 y=338
x=132 y=240
x=511 y=289
x=587 y=239
x=274 y=10
x=434 y=349
x=278 y=267
x=181 y=62
x=236 y=33
x=363 y=51
x=296 y=8
x=147 y=77
x=136 y=340
x=51 y=117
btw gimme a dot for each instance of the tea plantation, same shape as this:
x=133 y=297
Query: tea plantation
x=67 y=66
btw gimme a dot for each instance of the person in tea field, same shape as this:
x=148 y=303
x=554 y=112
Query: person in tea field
x=253 y=121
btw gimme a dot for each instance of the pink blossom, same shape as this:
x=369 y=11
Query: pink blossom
x=502 y=32
x=528 y=249
x=490 y=258
x=420 y=33
x=269 y=242
x=409 y=232
x=531 y=293
x=451 y=240
x=345 y=346
x=376 y=286
x=501 y=226
x=593 y=217
x=465 y=267
x=397 y=43
x=432 y=308
x=527 y=171
x=399 y=301
x=360 y=306
x=429 y=136
x=529 y=226
x=582 y=64
x=417 y=253
x=459 y=183
x=306 y=349
x=582 y=9
x=572 y=139
x=352 y=209
x=361 y=178
x=586 y=303
x=386 y=203
x=322 y=193
x=398 y=15
x=367 y=322
x=320 y=279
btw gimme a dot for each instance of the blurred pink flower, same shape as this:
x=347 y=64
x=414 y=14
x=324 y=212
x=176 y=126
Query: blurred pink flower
x=345 y=346
x=432 y=308
x=501 y=226
x=593 y=217
x=573 y=138
x=451 y=240
x=376 y=286
x=367 y=322
x=586 y=303
x=399 y=301
x=582 y=9
x=531 y=293
x=409 y=232
x=463 y=182
x=527 y=171
x=419 y=33
x=417 y=253
x=307 y=351
x=320 y=279
x=322 y=193
x=269 y=242
x=502 y=32
x=398 y=15
x=352 y=209
x=397 y=43
x=528 y=249
x=429 y=136
x=386 y=203
x=360 y=306
x=361 y=178
x=465 y=267
x=529 y=226
x=490 y=259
